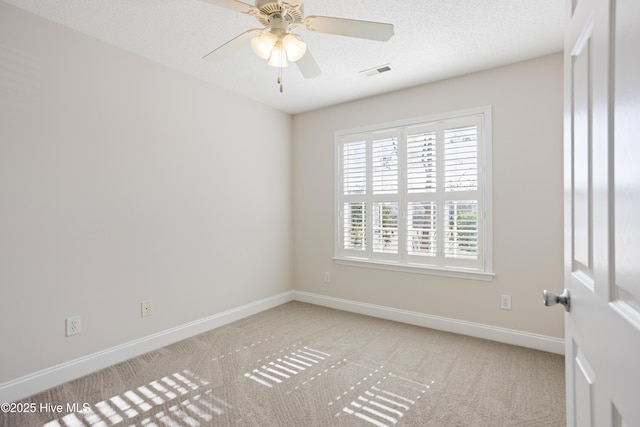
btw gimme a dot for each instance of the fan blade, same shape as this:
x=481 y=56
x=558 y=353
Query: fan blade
x=350 y=27
x=308 y=66
x=238 y=6
x=233 y=45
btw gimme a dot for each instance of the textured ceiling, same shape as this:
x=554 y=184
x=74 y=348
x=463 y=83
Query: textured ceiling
x=434 y=40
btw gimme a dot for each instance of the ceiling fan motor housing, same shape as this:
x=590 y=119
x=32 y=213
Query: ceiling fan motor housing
x=293 y=10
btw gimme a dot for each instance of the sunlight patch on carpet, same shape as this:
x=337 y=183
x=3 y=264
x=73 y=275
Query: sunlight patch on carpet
x=286 y=366
x=189 y=395
x=373 y=395
x=380 y=399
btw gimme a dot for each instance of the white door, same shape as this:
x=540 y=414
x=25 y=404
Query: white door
x=602 y=212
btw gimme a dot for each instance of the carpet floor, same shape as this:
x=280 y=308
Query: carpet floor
x=304 y=365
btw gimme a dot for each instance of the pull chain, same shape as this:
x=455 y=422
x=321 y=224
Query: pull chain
x=280 y=73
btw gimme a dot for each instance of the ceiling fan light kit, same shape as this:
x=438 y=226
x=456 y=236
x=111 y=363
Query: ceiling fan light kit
x=274 y=41
x=294 y=46
x=278 y=57
x=263 y=44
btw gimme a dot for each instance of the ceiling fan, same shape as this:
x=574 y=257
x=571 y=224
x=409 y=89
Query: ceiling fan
x=275 y=42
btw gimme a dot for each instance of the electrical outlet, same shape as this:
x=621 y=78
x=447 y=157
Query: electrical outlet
x=327 y=277
x=73 y=325
x=505 y=302
x=145 y=308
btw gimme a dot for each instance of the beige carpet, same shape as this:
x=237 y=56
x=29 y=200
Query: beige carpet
x=303 y=365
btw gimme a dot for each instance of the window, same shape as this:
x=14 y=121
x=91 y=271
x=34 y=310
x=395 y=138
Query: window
x=416 y=195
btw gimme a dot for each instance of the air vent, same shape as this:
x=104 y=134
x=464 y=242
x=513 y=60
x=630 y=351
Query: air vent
x=376 y=70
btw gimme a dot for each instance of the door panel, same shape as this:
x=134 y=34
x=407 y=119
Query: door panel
x=627 y=174
x=582 y=153
x=584 y=381
x=602 y=207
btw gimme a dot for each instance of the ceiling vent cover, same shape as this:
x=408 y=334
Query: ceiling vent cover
x=376 y=70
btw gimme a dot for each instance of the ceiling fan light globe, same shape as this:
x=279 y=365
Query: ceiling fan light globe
x=294 y=46
x=278 y=57
x=263 y=45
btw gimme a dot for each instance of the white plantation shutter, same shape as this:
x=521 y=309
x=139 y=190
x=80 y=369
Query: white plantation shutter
x=355 y=168
x=461 y=239
x=461 y=158
x=416 y=195
x=385 y=165
x=385 y=227
x=354 y=226
x=354 y=186
x=460 y=207
x=422 y=228
x=421 y=162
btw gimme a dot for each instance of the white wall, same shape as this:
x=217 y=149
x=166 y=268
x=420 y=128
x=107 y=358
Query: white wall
x=527 y=197
x=121 y=181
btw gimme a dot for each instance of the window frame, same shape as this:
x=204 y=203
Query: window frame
x=480 y=269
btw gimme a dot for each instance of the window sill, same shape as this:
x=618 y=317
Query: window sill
x=416 y=268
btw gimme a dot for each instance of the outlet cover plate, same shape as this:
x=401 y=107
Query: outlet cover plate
x=505 y=302
x=145 y=308
x=73 y=325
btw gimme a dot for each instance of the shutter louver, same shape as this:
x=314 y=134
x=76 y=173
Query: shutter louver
x=461 y=159
x=461 y=229
x=385 y=165
x=385 y=227
x=421 y=162
x=355 y=168
x=421 y=228
x=354 y=221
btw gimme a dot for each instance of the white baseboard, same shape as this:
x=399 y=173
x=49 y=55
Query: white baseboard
x=493 y=333
x=42 y=380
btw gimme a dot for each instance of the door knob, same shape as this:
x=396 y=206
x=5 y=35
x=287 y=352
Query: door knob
x=552 y=299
